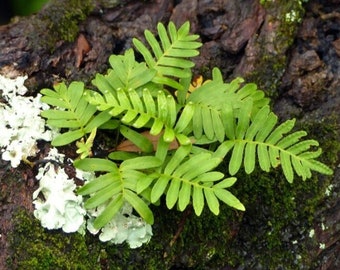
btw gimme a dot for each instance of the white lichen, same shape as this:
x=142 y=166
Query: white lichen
x=56 y=204
x=124 y=227
x=292 y=16
x=322 y=246
x=21 y=125
x=329 y=190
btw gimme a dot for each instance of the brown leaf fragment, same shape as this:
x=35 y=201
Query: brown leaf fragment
x=336 y=45
x=82 y=48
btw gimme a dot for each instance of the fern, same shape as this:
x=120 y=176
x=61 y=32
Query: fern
x=84 y=148
x=180 y=139
x=169 y=57
x=116 y=186
x=183 y=182
x=272 y=146
x=126 y=73
x=72 y=112
x=209 y=119
x=160 y=113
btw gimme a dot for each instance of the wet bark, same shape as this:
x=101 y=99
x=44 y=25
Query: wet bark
x=295 y=60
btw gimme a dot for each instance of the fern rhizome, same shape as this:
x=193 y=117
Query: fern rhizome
x=180 y=135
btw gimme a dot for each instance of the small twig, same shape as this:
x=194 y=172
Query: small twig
x=329 y=16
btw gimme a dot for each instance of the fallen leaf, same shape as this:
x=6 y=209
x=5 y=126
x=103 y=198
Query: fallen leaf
x=82 y=48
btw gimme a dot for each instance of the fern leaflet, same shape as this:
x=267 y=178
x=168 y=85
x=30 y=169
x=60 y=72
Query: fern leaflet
x=117 y=185
x=71 y=111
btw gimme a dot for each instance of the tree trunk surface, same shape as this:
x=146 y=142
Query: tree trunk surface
x=290 y=49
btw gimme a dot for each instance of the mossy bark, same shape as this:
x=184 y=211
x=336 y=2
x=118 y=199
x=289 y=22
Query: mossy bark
x=265 y=58
x=36 y=248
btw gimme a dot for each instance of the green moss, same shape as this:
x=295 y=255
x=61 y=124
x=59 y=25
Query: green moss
x=204 y=241
x=35 y=248
x=59 y=20
x=275 y=221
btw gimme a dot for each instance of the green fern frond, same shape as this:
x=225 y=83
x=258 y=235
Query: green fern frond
x=258 y=138
x=207 y=119
x=183 y=182
x=85 y=148
x=217 y=94
x=169 y=57
x=211 y=93
x=214 y=99
x=117 y=185
x=71 y=111
x=125 y=73
x=139 y=111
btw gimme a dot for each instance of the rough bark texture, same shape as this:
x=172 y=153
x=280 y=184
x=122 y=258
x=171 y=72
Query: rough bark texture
x=292 y=51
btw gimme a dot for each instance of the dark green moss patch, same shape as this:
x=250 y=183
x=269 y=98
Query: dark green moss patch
x=35 y=248
x=60 y=18
x=277 y=218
